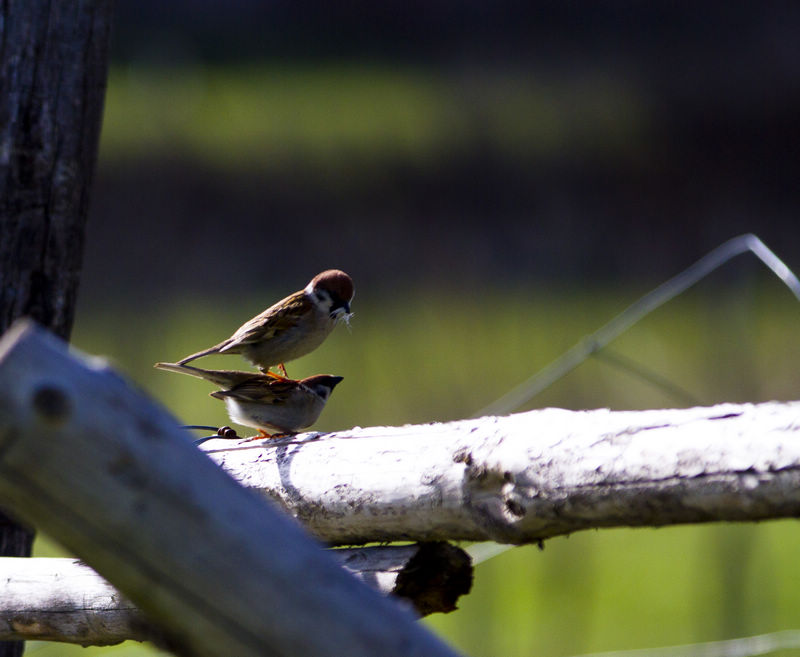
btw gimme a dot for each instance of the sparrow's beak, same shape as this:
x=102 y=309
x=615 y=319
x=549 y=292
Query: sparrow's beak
x=340 y=309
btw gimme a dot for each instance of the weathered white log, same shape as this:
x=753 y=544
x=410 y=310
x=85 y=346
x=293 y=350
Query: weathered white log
x=526 y=477
x=65 y=600
x=90 y=461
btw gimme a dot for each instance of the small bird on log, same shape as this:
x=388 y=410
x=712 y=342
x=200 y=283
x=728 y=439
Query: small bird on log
x=291 y=328
x=263 y=401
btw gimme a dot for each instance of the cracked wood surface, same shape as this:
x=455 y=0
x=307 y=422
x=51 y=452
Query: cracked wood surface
x=526 y=477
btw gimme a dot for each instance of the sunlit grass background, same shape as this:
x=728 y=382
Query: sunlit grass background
x=439 y=352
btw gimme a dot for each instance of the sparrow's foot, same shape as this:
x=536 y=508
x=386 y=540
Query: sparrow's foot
x=262 y=435
x=277 y=377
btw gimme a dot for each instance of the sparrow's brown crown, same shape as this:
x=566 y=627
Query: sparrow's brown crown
x=335 y=282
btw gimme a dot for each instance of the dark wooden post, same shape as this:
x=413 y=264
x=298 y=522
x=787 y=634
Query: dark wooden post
x=53 y=65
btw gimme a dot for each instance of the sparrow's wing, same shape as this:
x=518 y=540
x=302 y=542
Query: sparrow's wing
x=260 y=389
x=276 y=319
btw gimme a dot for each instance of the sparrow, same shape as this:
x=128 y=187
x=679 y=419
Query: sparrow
x=264 y=402
x=293 y=327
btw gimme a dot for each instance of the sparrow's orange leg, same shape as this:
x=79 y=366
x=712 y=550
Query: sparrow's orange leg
x=270 y=436
x=261 y=435
x=283 y=377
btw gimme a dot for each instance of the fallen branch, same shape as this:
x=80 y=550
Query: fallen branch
x=65 y=600
x=526 y=477
x=90 y=461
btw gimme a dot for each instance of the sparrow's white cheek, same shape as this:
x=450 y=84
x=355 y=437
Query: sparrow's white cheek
x=321 y=298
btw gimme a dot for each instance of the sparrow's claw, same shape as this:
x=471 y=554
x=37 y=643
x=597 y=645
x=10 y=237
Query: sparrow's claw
x=263 y=435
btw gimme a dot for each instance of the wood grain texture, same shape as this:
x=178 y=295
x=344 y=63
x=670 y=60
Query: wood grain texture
x=53 y=68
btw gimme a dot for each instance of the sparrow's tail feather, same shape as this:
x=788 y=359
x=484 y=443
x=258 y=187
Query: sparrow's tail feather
x=199 y=354
x=182 y=369
x=222 y=378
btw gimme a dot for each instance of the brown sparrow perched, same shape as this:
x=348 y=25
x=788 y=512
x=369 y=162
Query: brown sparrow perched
x=293 y=327
x=263 y=402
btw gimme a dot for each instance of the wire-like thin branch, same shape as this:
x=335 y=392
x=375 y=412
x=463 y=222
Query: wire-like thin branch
x=667 y=291
x=646 y=374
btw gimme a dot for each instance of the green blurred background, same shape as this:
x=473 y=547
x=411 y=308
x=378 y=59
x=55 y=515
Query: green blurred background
x=499 y=180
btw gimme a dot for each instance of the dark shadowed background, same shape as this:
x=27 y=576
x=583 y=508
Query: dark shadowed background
x=455 y=143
